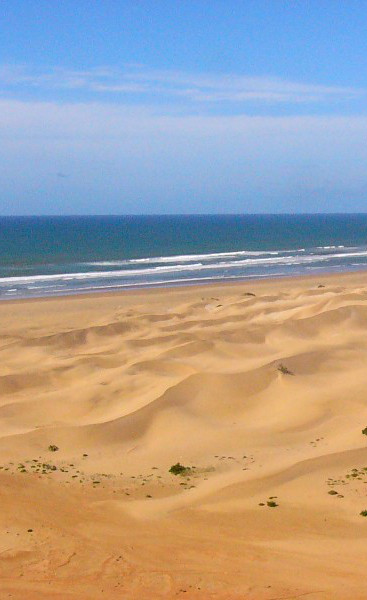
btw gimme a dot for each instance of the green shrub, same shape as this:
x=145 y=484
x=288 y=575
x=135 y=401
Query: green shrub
x=53 y=448
x=179 y=469
x=364 y=431
x=272 y=504
x=363 y=513
x=284 y=370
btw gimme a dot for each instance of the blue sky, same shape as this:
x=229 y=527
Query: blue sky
x=183 y=106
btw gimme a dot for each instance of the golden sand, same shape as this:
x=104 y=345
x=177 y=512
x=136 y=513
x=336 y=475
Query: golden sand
x=260 y=388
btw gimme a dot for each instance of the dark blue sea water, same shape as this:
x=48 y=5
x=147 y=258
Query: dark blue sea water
x=43 y=256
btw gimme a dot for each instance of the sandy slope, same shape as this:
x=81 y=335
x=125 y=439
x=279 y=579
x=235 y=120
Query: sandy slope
x=127 y=385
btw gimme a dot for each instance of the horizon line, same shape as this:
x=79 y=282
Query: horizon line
x=236 y=214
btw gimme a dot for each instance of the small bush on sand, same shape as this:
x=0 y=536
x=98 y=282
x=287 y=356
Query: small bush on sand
x=179 y=469
x=363 y=513
x=284 y=370
x=364 y=431
x=53 y=448
x=271 y=503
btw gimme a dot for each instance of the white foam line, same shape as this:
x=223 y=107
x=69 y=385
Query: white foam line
x=181 y=258
x=156 y=283
x=177 y=268
x=189 y=257
x=334 y=247
x=206 y=257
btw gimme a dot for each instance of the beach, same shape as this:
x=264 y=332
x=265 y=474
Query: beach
x=255 y=391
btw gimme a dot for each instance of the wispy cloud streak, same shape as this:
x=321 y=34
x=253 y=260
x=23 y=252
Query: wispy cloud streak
x=139 y=82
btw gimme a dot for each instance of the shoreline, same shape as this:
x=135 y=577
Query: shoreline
x=348 y=276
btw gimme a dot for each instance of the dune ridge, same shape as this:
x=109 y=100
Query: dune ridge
x=259 y=389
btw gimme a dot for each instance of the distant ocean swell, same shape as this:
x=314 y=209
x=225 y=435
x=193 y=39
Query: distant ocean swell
x=100 y=275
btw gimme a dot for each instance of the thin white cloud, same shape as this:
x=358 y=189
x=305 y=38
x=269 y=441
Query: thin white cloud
x=137 y=160
x=148 y=84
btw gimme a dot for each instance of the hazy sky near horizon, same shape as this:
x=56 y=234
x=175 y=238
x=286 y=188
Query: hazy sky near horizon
x=197 y=106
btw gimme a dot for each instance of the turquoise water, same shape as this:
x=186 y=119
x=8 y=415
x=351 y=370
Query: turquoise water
x=42 y=256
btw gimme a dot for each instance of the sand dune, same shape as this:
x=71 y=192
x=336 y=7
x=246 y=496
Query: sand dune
x=258 y=388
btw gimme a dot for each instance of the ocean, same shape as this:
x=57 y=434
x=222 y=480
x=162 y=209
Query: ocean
x=48 y=256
